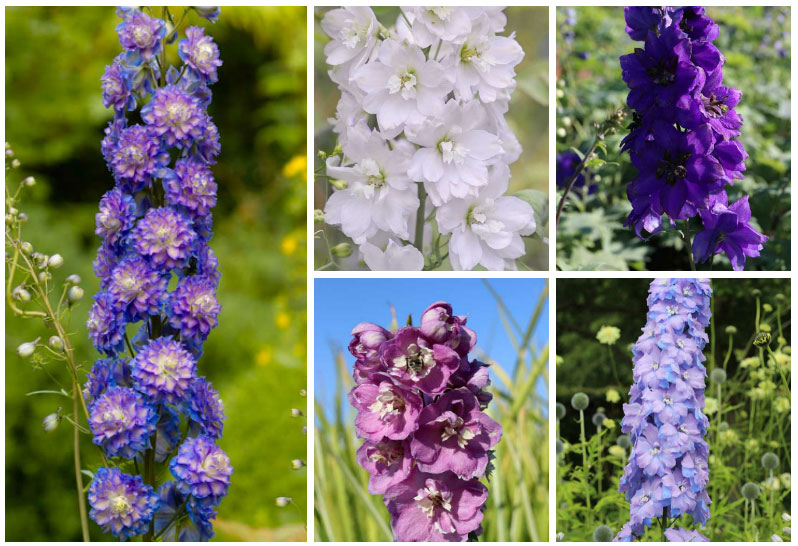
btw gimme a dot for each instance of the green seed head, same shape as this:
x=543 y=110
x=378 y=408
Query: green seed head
x=750 y=491
x=598 y=419
x=756 y=293
x=780 y=298
x=560 y=411
x=624 y=441
x=718 y=375
x=723 y=427
x=770 y=461
x=580 y=401
x=731 y=330
x=602 y=534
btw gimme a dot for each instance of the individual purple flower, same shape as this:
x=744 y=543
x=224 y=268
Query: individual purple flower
x=206 y=143
x=98 y=380
x=202 y=469
x=108 y=256
x=455 y=435
x=211 y=13
x=200 y=53
x=367 y=338
x=197 y=528
x=385 y=409
x=435 y=508
x=727 y=229
x=137 y=289
x=164 y=370
x=388 y=463
x=191 y=186
x=168 y=433
x=677 y=534
x=194 y=308
x=164 y=237
x=140 y=34
x=137 y=158
x=121 y=504
x=640 y=20
x=415 y=362
x=693 y=21
x=117 y=89
x=205 y=409
x=567 y=163
x=207 y=263
x=174 y=115
x=122 y=422
x=712 y=105
x=106 y=325
x=116 y=216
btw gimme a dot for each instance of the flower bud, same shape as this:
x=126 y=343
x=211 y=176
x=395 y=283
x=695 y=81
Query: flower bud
x=74 y=294
x=762 y=339
x=45 y=276
x=13 y=211
x=750 y=490
x=718 y=375
x=602 y=533
x=342 y=250
x=305 y=430
x=561 y=132
x=296 y=464
x=51 y=422
x=598 y=419
x=15 y=164
x=73 y=279
x=560 y=411
x=318 y=216
x=296 y=412
x=731 y=330
x=338 y=184
x=56 y=343
x=780 y=298
x=29 y=181
x=21 y=294
x=786 y=517
x=775 y=538
x=770 y=461
x=282 y=501
x=211 y=13
x=756 y=293
x=55 y=261
x=303 y=393
x=27 y=349
x=22 y=217
x=580 y=401
x=624 y=441
x=40 y=259
x=26 y=248
x=767 y=308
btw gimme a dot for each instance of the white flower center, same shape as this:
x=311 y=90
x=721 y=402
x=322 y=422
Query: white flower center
x=672 y=309
x=429 y=498
x=452 y=151
x=456 y=429
x=352 y=35
x=417 y=362
x=388 y=402
x=404 y=84
x=120 y=505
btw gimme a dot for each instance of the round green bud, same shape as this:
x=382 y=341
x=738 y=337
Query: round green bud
x=342 y=250
x=296 y=464
x=75 y=293
x=29 y=181
x=20 y=293
x=560 y=447
x=55 y=261
x=767 y=308
x=296 y=412
x=624 y=441
x=560 y=409
x=602 y=533
x=770 y=461
x=723 y=426
x=718 y=375
x=580 y=401
x=598 y=419
x=282 y=502
x=26 y=248
x=15 y=164
x=40 y=259
x=762 y=339
x=318 y=216
x=731 y=330
x=561 y=132
x=73 y=279
x=750 y=490
x=45 y=276
x=56 y=343
x=22 y=217
x=780 y=298
x=756 y=293
x=338 y=184
x=303 y=393
x=27 y=349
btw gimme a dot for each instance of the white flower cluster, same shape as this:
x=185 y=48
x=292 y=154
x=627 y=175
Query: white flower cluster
x=420 y=123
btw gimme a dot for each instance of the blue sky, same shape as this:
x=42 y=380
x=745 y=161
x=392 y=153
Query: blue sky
x=340 y=304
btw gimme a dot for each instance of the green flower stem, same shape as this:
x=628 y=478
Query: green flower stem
x=419 y=237
x=585 y=481
x=576 y=174
x=614 y=367
x=689 y=244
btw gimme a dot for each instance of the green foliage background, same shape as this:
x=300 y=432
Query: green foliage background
x=589 y=87
x=584 y=365
x=528 y=117
x=256 y=358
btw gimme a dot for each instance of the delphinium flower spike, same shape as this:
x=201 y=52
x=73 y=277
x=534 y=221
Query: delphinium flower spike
x=682 y=138
x=420 y=407
x=157 y=270
x=667 y=472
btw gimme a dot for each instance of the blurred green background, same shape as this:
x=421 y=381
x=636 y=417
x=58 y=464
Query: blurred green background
x=528 y=116
x=256 y=357
x=756 y=43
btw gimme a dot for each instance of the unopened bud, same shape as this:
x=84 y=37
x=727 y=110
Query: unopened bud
x=45 y=276
x=15 y=164
x=51 y=422
x=20 y=293
x=282 y=501
x=55 y=261
x=318 y=216
x=13 y=211
x=296 y=464
x=29 y=181
x=74 y=294
x=342 y=250
x=26 y=248
x=303 y=393
x=305 y=430
x=296 y=412
x=40 y=259
x=56 y=343
x=780 y=298
x=731 y=330
x=73 y=279
x=27 y=349
x=322 y=155
x=22 y=217
x=338 y=184
x=762 y=339
x=756 y=292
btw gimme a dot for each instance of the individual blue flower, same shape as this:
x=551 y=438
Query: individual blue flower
x=208 y=264
x=164 y=370
x=137 y=158
x=567 y=163
x=727 y=229
x=640 y=20
x=205 y=408
x=98 y=379
x=207 y=142
x=106 y=325
x=211 y=13
x=140 y=34
x=190 y=185
x=693 y=21
x=200 y=53
x=137 y=288
x=168 y=433
x=677 y=534
x=108 y=255
x=202 y=469
x=117 y=88
x=174 y=115
x=116 y=216
x=164 y=237
x=121 y=504
x=712 y=105
x=169 y=525
x=112 y=132
x=194 y=308
x=122 y=422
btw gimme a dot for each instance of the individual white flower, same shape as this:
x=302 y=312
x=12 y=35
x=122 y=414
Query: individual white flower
x=401 y=85
x=430 y=24
x=348 y=113
x=395 y=257
x=378 y=194
x=455 y=152
x=353 y=31
x=486 y=229
x=486 y=64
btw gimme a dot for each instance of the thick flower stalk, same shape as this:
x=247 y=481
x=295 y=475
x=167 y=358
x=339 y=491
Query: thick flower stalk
x=682 y=138
x=420 y=407
x=159 y=276
x=667 y=473
x=432 y=171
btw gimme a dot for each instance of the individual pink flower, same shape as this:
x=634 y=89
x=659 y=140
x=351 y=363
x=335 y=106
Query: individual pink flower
x=385 y=410
x=388 y=463
x=415 y=362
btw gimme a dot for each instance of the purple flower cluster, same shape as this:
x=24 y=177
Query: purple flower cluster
x=567 y=163
x=667 y=472
x=157 y=271
x=682 y=139
x=420 y=407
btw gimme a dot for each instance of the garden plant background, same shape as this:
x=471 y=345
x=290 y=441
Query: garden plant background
x=590 y=41
x=256 y=356
x=527 y=118
x=510 y=318
x=755 y=404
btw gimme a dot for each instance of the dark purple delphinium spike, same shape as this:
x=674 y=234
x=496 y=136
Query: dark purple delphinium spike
x=667 y=471
x=156 y=226
x=420 y=402
x=684 y=124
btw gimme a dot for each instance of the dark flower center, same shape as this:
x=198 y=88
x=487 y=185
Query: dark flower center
x=672 y=168
x=664 y=73
x=714 y=107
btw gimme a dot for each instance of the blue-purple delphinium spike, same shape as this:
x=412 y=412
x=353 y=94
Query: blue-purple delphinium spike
x=682 y=137
x=667 y=473
x=157 y=270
